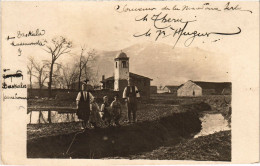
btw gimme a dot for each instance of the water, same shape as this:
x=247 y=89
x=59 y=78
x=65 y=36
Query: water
x=212 y=123
x=55 y=117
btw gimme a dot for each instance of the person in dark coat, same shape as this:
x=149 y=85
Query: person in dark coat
x=83 y=101
x=131 y=94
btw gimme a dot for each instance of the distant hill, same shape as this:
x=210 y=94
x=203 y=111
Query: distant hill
x=168 y=66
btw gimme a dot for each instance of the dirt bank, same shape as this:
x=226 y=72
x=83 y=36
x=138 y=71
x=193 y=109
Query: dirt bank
x=214 y=147
x=123 y=141
x=162 y=125
x=213 y=103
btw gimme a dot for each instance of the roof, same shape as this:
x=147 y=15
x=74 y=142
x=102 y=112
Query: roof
x=132 y=75
x=171 y=87
x=108 y=79
x=121 y=55
x=213 y=85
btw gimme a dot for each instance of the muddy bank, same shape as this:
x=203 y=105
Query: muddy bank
x=35 y=131
x=119 y=141
x=195 y=107
x=214 y=147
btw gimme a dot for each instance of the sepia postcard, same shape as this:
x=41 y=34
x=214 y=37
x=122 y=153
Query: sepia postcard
x=129 y=82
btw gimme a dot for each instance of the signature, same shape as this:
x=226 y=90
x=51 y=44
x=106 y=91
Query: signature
x=165 y=26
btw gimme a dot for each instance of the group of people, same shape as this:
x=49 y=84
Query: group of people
x=91 y=114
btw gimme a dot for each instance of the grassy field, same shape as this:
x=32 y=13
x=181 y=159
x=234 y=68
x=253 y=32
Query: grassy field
x=165 y=127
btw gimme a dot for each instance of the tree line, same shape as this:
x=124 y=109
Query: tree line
x=59 y=74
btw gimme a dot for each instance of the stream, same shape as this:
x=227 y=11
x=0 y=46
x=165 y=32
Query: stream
x=212 y=123
x=34 y=117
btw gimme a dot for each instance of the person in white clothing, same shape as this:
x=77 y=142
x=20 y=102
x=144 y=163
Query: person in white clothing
x=83 y=101
x=130 y=95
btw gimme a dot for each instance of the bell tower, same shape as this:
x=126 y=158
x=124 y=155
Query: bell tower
x=121 y=70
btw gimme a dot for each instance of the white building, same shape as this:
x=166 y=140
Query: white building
x=121 y=70
x=199 y=88
x=189 y=89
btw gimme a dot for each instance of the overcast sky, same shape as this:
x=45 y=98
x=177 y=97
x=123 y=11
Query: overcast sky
x=100 y=26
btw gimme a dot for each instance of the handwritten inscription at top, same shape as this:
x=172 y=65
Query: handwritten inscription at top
x=205 y=6
x=165 y=24
x=125 y=8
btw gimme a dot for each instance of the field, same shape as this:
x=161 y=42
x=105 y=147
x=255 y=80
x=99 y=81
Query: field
x=165 y=129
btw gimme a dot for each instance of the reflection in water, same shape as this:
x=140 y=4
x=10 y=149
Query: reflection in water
x=36 y=117
x=212 y=123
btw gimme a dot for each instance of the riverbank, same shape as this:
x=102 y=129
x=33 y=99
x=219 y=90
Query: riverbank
x=165 y=130
x=116 y=141
x=213 y=147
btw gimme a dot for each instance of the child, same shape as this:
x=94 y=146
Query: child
x=116 y=110
x=94 y=114
x=105 y=109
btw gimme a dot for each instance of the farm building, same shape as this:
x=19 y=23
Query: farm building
x=153 y=89
x=171 y=89
x=121 y=74
x=199 y=88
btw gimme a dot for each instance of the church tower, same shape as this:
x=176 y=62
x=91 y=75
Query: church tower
x=121 y=70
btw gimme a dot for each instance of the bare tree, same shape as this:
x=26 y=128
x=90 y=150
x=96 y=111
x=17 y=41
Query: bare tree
x=83 y=61
x=58 y=47
x=93 y=75
x=57 y=80
x=40 y=72
x=30 y=70
x=69 y=74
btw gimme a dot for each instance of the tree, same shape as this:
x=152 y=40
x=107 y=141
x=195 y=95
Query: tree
x=58 y=47
x=69 y=74
x=83 y=61
x=93 y=75
x=30 y=70
x=40 y=72
x=57 y=76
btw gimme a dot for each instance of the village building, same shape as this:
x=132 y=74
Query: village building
x=170 y=89
x=199 y=88
x=153 y=89
x=121 y=75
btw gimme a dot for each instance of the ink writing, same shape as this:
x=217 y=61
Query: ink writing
x=165 y=26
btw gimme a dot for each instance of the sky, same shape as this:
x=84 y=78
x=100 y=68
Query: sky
x=100 y=26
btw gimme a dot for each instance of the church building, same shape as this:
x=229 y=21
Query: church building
x=121 y=74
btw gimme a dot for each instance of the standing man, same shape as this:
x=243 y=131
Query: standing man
x=83 y=101
x=130 y=95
